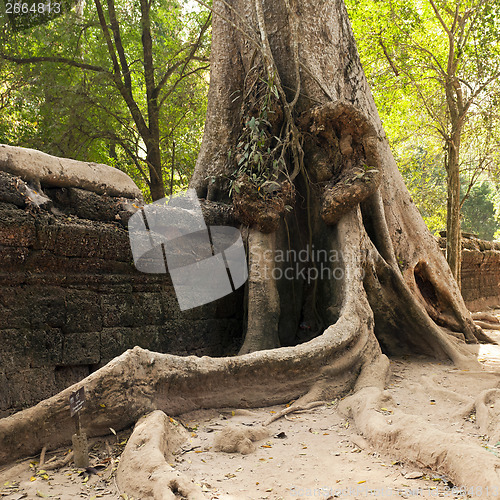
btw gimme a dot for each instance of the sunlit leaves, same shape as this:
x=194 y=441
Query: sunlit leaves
x=78 y=113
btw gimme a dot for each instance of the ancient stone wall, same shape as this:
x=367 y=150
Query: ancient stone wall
x=71 y=299
x=480 y=272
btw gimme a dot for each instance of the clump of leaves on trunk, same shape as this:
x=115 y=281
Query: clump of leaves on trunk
x=260 y=188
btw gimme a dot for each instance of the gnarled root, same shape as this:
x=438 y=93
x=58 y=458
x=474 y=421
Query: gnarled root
x=144 y=470
x=411 y=438
x=487 y=406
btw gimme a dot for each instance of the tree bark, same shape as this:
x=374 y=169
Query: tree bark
x=453 y=232
x=153 y=159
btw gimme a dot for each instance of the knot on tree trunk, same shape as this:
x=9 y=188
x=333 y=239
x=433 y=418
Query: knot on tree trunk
x=262 y=207
x=342 y=156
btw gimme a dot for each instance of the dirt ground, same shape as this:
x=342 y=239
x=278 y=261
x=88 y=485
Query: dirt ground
x=314 y=454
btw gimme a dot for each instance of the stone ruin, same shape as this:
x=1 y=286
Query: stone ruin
x=70 y=297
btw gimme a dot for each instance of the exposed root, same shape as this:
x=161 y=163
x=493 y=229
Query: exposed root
x=432 y=388
x=144 y=471
x=292 y=409
x=487 y=406
x=488 y=326
x=411 y=438
x=485 y=317
x=235 y=440
x=58 y=464
x=32 y=165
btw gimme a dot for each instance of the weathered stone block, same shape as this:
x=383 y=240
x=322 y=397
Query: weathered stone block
x=81 y=348
x=83 y=312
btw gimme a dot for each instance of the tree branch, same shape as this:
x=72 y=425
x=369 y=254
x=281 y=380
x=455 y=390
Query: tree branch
x=188 y=58
x=61 y=60
x=119 y=45
x=182 y=77
x=440 y=19
x=393 y=66
x=124 y=91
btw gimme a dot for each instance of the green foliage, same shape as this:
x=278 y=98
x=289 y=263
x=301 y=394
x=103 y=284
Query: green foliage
x=405 y=51
x=259 y=156
x=479 y=214
x=79 y=112
x=425 y=179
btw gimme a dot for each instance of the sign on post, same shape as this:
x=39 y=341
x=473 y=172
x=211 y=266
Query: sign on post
x=76 y=401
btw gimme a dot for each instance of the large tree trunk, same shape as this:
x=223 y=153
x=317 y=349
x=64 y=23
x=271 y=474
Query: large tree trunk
x=386 y=286
x=407 y=282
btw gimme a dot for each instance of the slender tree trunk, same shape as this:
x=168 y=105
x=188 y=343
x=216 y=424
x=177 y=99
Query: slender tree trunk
x=453 y=232
x=153 y=158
